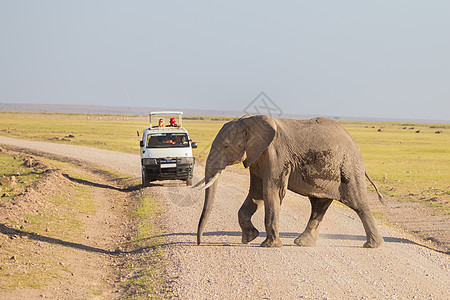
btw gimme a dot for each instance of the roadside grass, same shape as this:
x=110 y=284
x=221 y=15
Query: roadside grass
x=148 y=266
x=57 y=219
x=403 y=163
x=117 y=175
x=15 y=176
x=21 y=268
x=65 y=165
x=85 y=203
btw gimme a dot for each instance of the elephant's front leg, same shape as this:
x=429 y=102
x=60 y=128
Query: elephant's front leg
x=272 y=203
x=250 y=206
x=318 y=209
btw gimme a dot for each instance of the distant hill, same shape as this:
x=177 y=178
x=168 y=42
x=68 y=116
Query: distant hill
x=122 y=110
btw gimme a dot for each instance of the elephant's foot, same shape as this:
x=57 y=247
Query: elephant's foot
x=249 y=235
x=306 y=240
x=275 y=243
x=374 y=242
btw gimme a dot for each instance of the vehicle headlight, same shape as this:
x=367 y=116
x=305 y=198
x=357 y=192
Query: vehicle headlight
x=186 y=160
x=150 y=161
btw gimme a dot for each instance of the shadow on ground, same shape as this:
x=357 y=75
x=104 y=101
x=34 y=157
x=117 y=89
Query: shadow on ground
x=101 y=185
x=38 y=237
x=294 y=235
x=127 y=189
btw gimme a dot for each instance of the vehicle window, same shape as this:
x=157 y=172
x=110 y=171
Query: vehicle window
x=167 y=140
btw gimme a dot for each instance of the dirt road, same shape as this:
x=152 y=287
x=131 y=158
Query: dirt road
x=222 y=268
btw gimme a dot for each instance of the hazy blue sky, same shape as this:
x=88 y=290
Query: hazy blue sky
x=337 y=58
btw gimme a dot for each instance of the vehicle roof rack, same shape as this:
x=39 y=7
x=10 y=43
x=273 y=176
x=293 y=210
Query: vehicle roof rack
x=166 y=113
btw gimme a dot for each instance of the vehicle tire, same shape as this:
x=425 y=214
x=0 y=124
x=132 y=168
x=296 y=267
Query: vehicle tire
x=145 y=180
x=189 y=181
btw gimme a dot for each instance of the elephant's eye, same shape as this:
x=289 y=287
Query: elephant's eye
x=226 y=147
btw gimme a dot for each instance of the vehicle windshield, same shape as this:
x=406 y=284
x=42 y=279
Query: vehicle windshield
x=167 y=140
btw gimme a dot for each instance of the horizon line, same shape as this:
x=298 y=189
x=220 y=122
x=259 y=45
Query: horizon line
x=188 y=112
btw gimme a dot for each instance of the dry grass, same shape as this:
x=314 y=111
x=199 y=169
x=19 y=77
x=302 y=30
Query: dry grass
x=410 y=161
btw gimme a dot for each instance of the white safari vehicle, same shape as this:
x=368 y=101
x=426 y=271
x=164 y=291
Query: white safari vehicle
x=166 y=149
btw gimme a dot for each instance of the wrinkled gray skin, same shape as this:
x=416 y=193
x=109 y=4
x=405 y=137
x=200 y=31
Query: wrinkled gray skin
x=315 y=158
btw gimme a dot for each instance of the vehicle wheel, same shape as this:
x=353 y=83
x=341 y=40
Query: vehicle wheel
x=189 y=181
x=145 y=180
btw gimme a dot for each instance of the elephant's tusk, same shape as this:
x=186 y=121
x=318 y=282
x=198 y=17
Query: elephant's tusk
x=211 y=181
x=198 y=183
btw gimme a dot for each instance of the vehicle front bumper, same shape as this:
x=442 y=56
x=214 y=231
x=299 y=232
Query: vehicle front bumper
x=169 y=168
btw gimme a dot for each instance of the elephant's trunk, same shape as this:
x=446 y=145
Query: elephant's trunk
x=207 y=206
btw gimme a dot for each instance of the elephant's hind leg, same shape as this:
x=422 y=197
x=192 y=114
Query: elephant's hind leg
x=318 y=209
x=354 y=195
x=374 y=239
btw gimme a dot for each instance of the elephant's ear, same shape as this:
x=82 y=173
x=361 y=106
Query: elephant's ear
x=260 y=132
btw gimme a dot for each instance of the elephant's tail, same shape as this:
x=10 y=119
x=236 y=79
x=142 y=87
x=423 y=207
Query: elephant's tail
x=380 y=197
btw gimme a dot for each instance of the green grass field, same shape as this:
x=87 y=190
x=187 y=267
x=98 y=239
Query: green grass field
x=406 y=163
x=403 y=162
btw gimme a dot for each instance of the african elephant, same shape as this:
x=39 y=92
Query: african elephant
x=315 y=158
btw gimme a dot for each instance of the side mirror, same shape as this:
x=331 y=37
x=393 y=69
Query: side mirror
x=194 y=145
x=141 y=143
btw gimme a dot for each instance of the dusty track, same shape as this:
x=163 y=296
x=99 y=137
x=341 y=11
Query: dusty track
x=338 y=267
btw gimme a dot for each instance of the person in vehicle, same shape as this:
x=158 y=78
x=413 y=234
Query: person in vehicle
x=173 y=122
x=153 y=140
x=161 y=123
x=180 y=140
